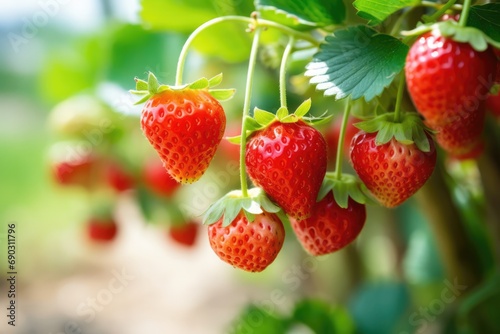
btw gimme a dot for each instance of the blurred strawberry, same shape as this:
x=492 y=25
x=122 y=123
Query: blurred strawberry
x=102 y=230
x=184 y=234
x=118 y=178
x=80 y=170
x=157 y=179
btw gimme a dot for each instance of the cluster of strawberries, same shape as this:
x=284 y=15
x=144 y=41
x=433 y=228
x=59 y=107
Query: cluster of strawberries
x=86 y=157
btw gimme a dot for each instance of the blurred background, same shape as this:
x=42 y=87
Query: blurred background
x=100 y=249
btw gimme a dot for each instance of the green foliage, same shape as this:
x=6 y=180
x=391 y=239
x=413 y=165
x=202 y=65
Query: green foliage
x=487 y=19
x=303 y=14
x=357 y=61
x=323 y=318
x=376 y=12
x=186 y=16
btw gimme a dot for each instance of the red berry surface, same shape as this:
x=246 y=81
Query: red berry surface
x=184 y=234
x=330 y=227
x=251 y=246
x=157 y=180
x=288 y=161
x=102 y=230
x=185 y=127
x=448 y=80
x=393 y=171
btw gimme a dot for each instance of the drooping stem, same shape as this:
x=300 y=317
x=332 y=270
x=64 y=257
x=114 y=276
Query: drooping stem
x=284 y=61
x=434 y=17
x=255 y=24
x=399 y=99
x=340 y=146
x=465 y=13
x=438 y=5
x=246 y=109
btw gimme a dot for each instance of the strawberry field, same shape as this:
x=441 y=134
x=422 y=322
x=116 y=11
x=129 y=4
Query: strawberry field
x=239 y=166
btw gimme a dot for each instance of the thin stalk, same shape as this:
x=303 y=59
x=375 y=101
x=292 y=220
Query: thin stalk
x=284 y=61
x=434 y=17
x=255 y=22
x=340 y=146
x=465 y=13
x=246 y=109
x=437 y=5
x=399 y=99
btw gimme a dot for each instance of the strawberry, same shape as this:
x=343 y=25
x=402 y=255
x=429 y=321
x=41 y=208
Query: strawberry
x=157 y=179
x=79 y=170
x=184 y=234
x=463 y=139
x=184 y=124
x=102 y=230
x=392 y=171
x=288 y=161
x=448 y=80
x=330 y=227
x=118 y=178
x=251 y=246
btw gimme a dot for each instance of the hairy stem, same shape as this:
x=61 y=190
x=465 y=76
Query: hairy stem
x=465 y=13
x=434 y=17
x=340 y=146
x=284 y=61
x=246 y=109
x=252 y=21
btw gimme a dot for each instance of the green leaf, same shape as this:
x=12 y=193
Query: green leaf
x=303 y=109
x=222 y=94
x=263 y=117
x=141 y=85
x=234 y=140
x=282 y=113
x=302 y=14
x=375 y=11
x=257 y=320
x=487 y=19
x=153 y=83
x=201 y=83
x=347 y=186
x=215 y=81
x=357 y=61
x=252 y=125
x=323 y=318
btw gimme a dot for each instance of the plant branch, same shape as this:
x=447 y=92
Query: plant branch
x=340 y=146
x=284 y=61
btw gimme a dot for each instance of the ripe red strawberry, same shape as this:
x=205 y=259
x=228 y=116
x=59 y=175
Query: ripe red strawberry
x=448 y=80
x=158 y=180
x=185 y=127
x=184 y=234
x=332 y=136
x=330 y=227
x=118 y=178
x=463 y=139
x=392 y=171
x=251 y=246
x=288 y=161
x=102 y=230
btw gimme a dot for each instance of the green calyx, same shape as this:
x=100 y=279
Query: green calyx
x=451 y=29
x=234 y=202
x=344 y=187
x=410 y=130
x=262 y=119
x=146 y=89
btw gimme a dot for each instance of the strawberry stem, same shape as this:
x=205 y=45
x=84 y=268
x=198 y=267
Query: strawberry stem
x=340 y=146
x=246 y=109
x=284 y=60
x=465 y=13
x=434 y=17
x=399 y=99
x=254 y=24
